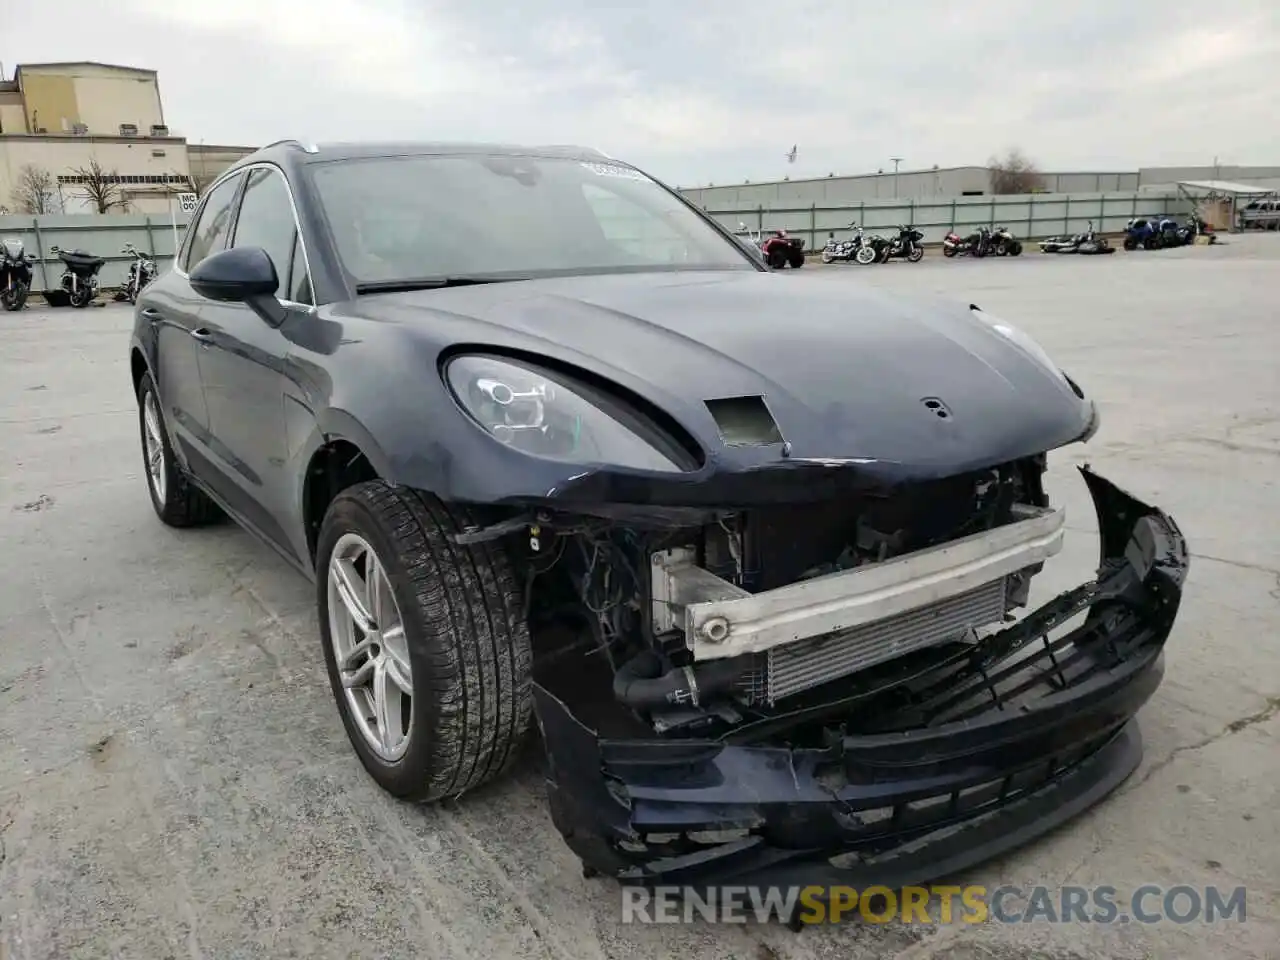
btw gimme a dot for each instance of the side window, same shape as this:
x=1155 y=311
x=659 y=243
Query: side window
x=266 y=221
x=209 y=232
x=299 y=280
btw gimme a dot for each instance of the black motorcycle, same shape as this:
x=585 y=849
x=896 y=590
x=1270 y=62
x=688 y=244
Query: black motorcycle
x=976 y=244
x=15 y=274
x=905 y=246
x=141 y=272
x=79 y=282
x=872 y=249
x=1004 y=243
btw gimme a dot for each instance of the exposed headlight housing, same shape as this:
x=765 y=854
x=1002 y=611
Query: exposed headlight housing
x=1023 y=340
x=545 y=414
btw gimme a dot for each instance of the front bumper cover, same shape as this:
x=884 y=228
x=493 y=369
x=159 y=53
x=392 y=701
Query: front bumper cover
x=975 y=768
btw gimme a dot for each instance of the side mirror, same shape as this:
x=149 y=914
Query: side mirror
x=241 y=275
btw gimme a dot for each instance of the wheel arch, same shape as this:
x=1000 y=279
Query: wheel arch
x=345 y=454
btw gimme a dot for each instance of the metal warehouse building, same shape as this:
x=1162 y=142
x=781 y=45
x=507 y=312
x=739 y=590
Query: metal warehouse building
x=833 y=191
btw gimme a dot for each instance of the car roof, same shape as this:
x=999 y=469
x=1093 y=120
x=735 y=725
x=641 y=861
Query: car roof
x=288 y=153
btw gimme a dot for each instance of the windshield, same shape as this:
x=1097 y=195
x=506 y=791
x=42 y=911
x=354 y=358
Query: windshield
x=476 y=216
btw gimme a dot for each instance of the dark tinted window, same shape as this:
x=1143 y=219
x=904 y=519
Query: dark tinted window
x=403 y=218
x=266 y=221
x=209 y=232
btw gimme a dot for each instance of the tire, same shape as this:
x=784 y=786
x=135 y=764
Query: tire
x=1130 y=243
x=865 y=256
x=826 y=256
x=1016 y=249
x=465 y=639
x=81 y=297
x=177 y=502
x=16 y=297
x=948 y=251
x=1002 y=249
x=797 y=259
x=916 y=254
x=777 y=259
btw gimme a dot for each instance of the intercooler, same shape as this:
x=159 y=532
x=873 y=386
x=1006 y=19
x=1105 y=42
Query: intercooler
x=791 y=668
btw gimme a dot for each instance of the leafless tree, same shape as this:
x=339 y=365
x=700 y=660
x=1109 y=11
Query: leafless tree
x=99 y=187
x=1015 y=173
x=36 y=191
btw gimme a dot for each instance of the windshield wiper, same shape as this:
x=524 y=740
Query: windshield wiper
x=427 y=283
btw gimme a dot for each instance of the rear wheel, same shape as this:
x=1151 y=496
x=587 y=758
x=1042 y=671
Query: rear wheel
x=426 y=646
x=176 y=501
x=797 y=259
x=776 y=258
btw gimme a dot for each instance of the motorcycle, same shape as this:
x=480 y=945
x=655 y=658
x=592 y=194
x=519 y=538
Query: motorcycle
x=872 y=249
x=905 y=246
x=141 y=272
x=79 y=280
x=1085 y=244
x=15 y=272
x=976 y=244
x=842 y=250
x=1004 y=243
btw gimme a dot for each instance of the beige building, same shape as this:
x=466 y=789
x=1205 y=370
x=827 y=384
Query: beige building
x=57 y=120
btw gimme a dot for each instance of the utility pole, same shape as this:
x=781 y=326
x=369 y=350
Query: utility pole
x=896 y=161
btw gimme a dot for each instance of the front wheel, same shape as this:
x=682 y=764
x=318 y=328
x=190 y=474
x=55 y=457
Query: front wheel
x=427 y=650
x=81 y=296
x=777 y=259
x=826 y=256
x=797 y=259
x=15 y=297
x=916 y=254
x=865 y=255
x=1016 y=249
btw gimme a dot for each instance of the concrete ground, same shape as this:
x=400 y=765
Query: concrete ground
x=175 y=782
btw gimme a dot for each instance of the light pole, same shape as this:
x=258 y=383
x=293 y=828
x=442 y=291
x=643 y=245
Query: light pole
x=896 y=161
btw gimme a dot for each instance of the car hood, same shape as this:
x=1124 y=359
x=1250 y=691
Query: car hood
x=849 y=373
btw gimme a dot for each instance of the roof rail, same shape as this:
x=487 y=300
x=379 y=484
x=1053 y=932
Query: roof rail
x=306 y=147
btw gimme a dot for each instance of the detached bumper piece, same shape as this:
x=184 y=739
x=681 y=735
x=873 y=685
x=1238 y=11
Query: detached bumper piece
x=986 y=748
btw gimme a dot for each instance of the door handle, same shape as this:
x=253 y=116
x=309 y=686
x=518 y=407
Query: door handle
x=203 y=335
x=152 y=314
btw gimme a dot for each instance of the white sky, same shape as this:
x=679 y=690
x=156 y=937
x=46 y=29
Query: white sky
x=706 y=90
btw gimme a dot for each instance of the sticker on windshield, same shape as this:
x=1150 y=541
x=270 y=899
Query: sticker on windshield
x=613 y=170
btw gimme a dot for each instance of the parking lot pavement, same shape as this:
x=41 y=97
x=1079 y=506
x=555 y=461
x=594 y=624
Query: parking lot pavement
x=175 y=781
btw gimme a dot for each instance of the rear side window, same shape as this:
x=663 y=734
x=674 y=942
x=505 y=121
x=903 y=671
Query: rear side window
x=210 y=230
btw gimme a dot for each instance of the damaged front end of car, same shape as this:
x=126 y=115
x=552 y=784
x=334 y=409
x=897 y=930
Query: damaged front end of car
x=838 y=690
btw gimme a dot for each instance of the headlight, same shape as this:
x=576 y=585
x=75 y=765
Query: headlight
x=545 y=414
x=1022 y=339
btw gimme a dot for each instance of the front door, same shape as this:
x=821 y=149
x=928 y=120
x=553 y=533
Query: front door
x=244 y=368
x=174 y=312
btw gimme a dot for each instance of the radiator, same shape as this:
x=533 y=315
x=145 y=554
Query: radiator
x=794 y=667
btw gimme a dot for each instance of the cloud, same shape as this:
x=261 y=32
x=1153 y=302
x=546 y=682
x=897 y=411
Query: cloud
x=706 y=91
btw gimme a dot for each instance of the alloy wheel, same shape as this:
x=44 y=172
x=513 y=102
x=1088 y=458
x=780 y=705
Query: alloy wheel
x=370 y=647
x=153 y=446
